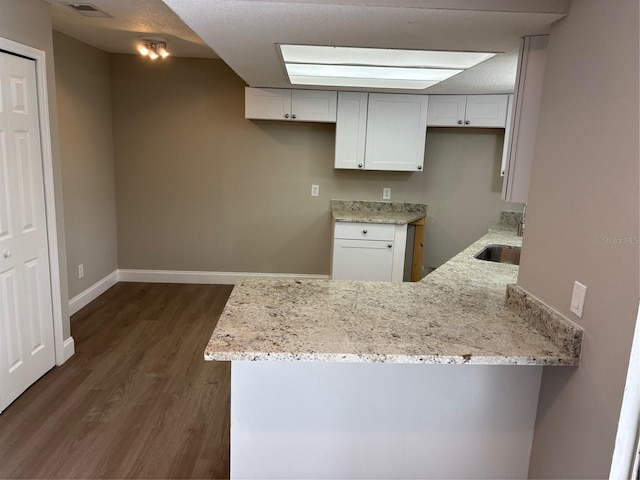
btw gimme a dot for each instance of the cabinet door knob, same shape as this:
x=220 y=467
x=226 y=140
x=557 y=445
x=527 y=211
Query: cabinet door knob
x=389 y=245
x=6 y=253
x=286 y=115
x=419 y=167
x=293 y=116
x=359 y=165
x=364 y=232
x=460 y=122
x=467 y=122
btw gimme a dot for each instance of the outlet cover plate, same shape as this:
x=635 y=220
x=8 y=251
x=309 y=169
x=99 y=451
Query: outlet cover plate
x=577 y=299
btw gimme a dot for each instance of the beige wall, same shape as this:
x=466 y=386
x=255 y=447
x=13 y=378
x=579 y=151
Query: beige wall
x=86 y=146
x=201 y=188
x=29 y=22
x=584 y=190
x=463 y=189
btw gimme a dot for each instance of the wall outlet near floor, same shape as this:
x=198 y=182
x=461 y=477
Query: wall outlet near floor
x=577 y=299
x=386 y=193
x=81 y=270
x=315 y=190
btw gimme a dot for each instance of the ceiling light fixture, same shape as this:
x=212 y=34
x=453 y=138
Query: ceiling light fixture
x=153 y=48
x=374 y=67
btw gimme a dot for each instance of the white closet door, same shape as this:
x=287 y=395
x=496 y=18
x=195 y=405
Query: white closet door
x=26 y=317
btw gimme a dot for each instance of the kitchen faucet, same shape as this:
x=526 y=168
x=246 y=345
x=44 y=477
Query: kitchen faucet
x=521 y=223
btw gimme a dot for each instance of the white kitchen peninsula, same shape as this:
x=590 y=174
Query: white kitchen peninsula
x=347 y=379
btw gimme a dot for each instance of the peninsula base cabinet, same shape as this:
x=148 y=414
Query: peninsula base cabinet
x=338 y=420
x=368 y=251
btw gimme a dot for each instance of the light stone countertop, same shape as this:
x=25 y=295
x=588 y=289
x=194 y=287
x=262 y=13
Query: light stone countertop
x=455 y=315
x=377 y=212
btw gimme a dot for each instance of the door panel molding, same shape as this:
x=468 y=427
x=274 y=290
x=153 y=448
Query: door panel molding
x=39 y=56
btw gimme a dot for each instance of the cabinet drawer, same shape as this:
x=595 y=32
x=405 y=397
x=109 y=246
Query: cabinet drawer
x=364 y=231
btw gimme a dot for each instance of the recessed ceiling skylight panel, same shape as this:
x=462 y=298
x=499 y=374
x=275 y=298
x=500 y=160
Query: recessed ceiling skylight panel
x=374 y=67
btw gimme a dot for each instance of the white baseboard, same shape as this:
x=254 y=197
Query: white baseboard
x=93 y=292
x=69 y=348
x=219 y=278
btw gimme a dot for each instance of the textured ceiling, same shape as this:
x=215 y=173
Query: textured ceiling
x=244 y=33
x=130 y=20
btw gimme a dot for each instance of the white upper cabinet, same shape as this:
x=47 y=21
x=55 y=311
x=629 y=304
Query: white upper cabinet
x=290 y=105
x=488 y=111
x=396 y=132
x=378 y=131
x=524 y=122
x=507 y=136
x=446 y=110
x=351 y=129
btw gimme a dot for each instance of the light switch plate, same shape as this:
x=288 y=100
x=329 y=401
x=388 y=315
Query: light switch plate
x=577 y=299
x=315 y=190
x=386 y=193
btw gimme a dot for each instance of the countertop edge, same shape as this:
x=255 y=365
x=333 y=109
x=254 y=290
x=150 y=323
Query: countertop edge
x=378 y=217
x=400 y=359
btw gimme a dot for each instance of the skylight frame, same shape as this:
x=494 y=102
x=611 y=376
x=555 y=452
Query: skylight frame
x=412 y=65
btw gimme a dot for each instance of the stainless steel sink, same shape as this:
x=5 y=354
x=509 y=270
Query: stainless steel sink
x=500 y=254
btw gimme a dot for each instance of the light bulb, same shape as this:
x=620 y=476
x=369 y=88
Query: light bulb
x=163 y=52
x=153 y=55
x=143 y=50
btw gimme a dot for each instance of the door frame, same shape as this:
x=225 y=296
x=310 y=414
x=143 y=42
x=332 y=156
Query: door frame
x=49 y=193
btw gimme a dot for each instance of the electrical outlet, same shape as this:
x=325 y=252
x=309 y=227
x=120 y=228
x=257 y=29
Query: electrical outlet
x=315 y=190
x=80 y=270
x=386 y=193
x=577 y=299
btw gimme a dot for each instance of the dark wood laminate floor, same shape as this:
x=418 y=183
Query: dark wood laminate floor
x=137 y=400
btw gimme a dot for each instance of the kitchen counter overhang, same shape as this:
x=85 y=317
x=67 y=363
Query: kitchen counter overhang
x=455 y=315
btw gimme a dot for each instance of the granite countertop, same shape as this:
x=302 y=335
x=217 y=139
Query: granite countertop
x=455 y=315
x=377 y=212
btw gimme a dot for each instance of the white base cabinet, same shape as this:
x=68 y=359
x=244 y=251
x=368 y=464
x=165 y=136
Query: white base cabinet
x=378 y=131
x=337 y=420
x=368 y=251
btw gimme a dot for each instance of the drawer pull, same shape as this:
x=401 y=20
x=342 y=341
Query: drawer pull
x=364 y=232
x=389 y=245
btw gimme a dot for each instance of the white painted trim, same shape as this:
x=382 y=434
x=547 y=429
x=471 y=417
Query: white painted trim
x=69 y=348
x=93 y=292
x=625 y=454
x=399 y=253
x=219 y=278
x=50 y=200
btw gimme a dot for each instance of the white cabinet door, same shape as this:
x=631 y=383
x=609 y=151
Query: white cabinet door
x=362 y=260
x=396 y=132
x=26 y=317
x=507 y=136
x=351 y=129
x=446 y=110
x=290 y=105
x=489 y=111
x=313 y=105
x=524 y=124
x=267 y=103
